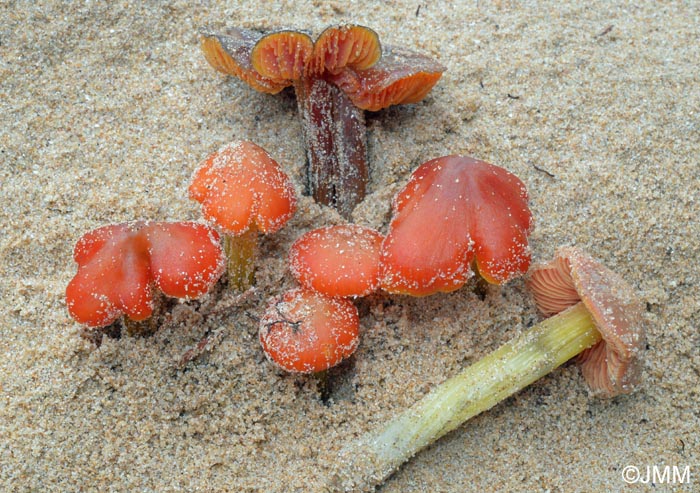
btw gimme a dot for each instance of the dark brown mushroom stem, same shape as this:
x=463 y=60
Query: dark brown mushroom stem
x=336 y=144
x=605 y=319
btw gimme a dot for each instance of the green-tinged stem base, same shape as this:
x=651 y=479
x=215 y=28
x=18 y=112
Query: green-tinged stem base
x=241 y=252
x=479 y=387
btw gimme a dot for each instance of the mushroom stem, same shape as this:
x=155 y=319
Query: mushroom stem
x=140 y=328
x=241 y=251
x=336 y=143
x=532 y=355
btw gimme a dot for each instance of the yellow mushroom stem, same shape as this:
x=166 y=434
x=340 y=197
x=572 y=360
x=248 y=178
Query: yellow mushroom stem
x=535 y=353
x=241 y=252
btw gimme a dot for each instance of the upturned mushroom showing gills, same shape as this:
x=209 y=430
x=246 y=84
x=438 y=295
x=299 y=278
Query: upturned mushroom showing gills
x=456 y=211
x=243 y=191
x=342 y=73
x=595 y=315
x=341 y=260
x=119 y=264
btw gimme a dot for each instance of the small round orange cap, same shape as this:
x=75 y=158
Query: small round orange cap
x=239 y=186
x=305 y=332
x=340 y=260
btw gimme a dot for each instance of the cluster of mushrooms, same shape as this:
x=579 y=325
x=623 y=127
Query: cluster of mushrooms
x=456 y=217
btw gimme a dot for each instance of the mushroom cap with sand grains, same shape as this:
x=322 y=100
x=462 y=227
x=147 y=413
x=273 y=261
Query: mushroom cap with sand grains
x=613 y=365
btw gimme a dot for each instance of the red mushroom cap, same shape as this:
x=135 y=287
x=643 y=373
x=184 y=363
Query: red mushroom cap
x=455 y=210
x=304 y=332
x=118 y=264
x=613 y=366
x=338 y=260
x=240 y=185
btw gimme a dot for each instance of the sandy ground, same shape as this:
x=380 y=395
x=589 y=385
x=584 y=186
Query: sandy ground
x=106 y=110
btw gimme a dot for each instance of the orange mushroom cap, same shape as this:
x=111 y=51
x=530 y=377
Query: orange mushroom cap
x=613 y=366
x=282 y=56
x=269 y=62
x=455 y=210
x=356 y=47
x=350 y=56
x=340 y=260
x=118 y=264
x=304 y=331
x=240 y=185
x=230 y=54
x=401 y=76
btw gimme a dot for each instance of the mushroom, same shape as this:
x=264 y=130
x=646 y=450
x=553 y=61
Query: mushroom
x=243 y=191
x=303 y=331
x=596 y=315
x=455 y=211
x=612 y=366
x=342 y=73
x=341 y=260
x=119 y=264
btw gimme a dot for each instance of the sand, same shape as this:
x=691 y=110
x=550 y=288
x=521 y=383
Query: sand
x=106 y=110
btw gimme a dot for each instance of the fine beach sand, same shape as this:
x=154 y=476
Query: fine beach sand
x=106 y=110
